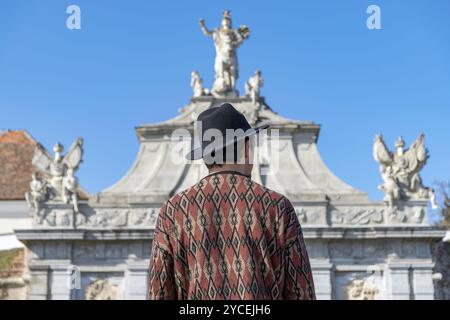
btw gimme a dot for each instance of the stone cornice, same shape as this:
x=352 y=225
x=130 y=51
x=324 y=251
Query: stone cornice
x=309 y=232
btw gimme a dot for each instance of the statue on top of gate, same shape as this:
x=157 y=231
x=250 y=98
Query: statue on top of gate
x=226 y=41
x=401 y=171
x=56 y=179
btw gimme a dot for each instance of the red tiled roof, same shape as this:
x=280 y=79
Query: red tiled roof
x=16 y=153
x=17 y=149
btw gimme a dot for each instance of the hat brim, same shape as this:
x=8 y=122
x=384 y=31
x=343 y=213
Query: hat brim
x=197 y=153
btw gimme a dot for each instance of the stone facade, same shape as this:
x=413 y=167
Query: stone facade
x=359 y=249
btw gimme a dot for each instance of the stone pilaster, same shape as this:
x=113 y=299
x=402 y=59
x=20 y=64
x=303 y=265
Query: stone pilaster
x=423 y=281
x=39 y=282
x=136 y=278
x=322 y=278
x=400 y=281
x=60 y=289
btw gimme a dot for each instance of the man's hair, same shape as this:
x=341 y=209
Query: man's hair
x=237 y=155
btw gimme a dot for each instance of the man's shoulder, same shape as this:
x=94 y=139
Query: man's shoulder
x=274 y=195
x=186 y=195
x=279 y=203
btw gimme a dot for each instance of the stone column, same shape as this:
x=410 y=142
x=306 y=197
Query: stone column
x=322 y=278
x=399 y=284
x=423 y=281
x=60 y=289
x=39 y=282
x=136 y=279
x=411 y=280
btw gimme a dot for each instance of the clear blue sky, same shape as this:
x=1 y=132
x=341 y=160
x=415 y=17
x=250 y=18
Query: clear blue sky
x=131 y=62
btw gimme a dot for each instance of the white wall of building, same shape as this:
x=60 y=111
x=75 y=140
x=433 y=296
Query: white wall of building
x=13 y=215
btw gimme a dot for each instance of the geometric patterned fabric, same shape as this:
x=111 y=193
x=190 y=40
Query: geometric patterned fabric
x=228 y=237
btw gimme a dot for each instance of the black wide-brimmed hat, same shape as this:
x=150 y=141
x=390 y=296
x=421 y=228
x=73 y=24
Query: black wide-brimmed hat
x=221 y=118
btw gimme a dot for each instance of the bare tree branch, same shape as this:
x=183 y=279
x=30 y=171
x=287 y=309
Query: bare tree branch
x=443 y=189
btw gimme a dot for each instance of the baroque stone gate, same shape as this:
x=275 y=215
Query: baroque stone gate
x=359 y=249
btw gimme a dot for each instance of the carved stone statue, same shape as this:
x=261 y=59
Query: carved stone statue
x=58 y=182
x=101 y=289
x=57 y=169
x=253 y=86
x=226 y=41
x=197 y=85
x=70 y=186
x=38 y=193
x=361 y=289
x=400 y=171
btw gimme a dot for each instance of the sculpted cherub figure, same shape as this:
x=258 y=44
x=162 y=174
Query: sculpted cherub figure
x=253 y=86
x=197 y=85
x=38 y=193
x=70 y=189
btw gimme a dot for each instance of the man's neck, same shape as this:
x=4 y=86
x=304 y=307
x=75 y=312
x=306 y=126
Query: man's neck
x=230 y=167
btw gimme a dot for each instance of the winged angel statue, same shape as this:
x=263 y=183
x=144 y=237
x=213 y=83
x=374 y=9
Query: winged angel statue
x=400 y=171
x=56 y=180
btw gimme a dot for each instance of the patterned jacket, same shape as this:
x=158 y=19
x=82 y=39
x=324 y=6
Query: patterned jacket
x=228 y=237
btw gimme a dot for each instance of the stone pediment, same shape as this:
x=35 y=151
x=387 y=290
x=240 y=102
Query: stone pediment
x=300 y=173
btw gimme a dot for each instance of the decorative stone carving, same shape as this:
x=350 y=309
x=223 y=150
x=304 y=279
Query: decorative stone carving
x=226 y=41
x=57 y=215
x=400 y=171
x=253 y=86
x=119 y=218
x=145 y=218
x=38 y=194
x=101 y=289
x=197 y=85
x=54 y=217
x=415 y=215
x=63 y=218
x=308 y=215
x=109 y=218
x=60 y=216
x=80 y=220
x=357 y=216
x=301 y=214
x=361 y=289
x=58 y=182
